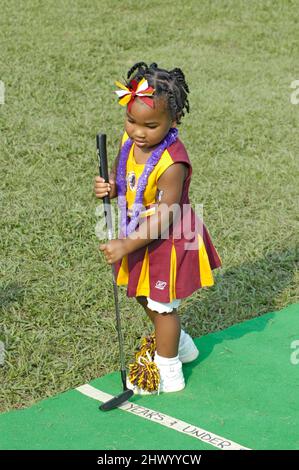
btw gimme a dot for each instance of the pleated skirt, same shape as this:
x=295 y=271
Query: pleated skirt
x=168 y=269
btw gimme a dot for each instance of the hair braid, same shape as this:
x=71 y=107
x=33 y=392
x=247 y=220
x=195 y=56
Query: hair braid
x=138 y=66
x=169 y=84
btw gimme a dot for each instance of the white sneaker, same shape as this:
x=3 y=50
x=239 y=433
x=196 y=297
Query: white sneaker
x=171 y=377
x=188 y=352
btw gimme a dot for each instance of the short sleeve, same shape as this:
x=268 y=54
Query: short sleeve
x=164 y=163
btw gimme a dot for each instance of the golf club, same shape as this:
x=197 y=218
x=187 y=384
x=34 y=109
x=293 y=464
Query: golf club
x=103 y=169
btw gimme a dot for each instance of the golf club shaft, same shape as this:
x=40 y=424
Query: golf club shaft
x=103 y=169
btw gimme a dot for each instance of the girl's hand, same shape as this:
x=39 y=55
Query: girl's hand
x=114 y=250
x=102 y=189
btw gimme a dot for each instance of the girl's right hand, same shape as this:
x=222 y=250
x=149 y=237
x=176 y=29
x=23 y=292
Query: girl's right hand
x=102 y=189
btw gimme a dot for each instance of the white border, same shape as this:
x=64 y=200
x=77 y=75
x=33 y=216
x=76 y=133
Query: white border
x=156 y=416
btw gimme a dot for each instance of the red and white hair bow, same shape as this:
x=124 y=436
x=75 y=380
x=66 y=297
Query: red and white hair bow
x=141 y=89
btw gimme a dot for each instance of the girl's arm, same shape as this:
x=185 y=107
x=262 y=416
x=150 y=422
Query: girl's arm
x=171 y=184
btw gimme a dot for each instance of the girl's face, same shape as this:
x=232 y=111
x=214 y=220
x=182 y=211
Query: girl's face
x=148 y=126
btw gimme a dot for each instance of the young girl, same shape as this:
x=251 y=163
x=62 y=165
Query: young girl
x=151 y=175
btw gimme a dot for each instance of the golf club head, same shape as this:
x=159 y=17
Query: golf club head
x=116 y=401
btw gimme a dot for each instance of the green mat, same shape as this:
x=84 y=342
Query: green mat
x=243 y=388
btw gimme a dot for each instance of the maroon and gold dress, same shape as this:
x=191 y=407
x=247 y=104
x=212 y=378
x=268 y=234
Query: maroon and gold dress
x=173 y=267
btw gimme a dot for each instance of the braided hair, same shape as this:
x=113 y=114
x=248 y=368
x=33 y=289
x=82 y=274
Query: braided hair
x=169 y=84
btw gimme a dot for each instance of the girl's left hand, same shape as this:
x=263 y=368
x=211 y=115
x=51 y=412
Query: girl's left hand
x=114 y=250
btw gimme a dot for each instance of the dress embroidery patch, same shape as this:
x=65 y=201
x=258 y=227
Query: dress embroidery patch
x=131 y=181
x=160 y=285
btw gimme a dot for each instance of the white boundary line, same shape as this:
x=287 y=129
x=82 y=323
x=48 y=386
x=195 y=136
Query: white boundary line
x=165 y=420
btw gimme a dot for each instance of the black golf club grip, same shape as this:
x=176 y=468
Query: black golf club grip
x=103 y=161
x=103 y=170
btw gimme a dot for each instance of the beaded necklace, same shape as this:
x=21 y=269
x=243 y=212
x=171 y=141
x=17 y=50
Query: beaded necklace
x=121 y=182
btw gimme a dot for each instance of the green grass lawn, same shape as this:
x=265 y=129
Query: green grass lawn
x=59 y=61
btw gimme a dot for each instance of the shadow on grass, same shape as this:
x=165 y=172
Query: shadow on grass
x=240 y=293
x=13 y=292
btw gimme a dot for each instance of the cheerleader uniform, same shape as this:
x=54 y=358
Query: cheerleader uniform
x=170 y=269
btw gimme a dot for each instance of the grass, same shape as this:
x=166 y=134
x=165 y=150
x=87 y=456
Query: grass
x=59 y=61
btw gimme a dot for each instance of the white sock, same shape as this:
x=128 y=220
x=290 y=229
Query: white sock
x=166 y=361
x=171 y=373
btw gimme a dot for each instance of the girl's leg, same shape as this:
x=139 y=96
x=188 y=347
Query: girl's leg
x=167 y=329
